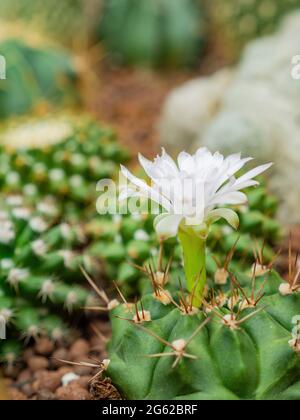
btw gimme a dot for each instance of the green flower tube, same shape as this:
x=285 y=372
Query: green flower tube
x=194 y=257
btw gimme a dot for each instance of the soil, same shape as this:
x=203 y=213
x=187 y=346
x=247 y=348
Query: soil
x=41 y=374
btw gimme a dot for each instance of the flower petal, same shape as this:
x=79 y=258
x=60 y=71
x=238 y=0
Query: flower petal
x=166 y=225
x=232 y=197
x=254 y=172
x=143 y=190
x=229 y=215
x=186 y=162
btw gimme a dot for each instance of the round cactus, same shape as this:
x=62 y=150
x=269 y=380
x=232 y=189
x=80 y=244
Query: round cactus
x=243 y=344
x=240 y=21
x=164 y=32
x=36 y=76
x=58 y=156
x=40 y=269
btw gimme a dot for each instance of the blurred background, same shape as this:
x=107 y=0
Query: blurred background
x=89 y=84
x=121 y=58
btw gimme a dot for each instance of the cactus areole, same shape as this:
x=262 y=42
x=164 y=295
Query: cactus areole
x=192 y=194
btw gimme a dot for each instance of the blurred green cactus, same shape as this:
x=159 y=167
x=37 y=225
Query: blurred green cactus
x=36 y=77
x=153 y=33
x=39 y=270
x=61 y=156
x=242 y=344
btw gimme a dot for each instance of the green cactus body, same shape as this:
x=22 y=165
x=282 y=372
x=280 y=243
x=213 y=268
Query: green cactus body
x=238 y=21
x=60 y=157
x=35 y=76
x=39 y=271
x=160 y=33
x=232 y=349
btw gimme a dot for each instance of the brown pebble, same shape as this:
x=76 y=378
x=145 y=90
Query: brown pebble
x=83 y=370
x=16 y=395
x=37 y=363
x=28 y=390
x=25 y=376
x=28 y=353
x=47 y=380
x=44 y=346
x=103 y=326
x=72 y=392
x=57 y=355
x=97 y=344
x=83 y=382
x=80 y=348
x=45 y=395
x=11 y=371
x=39 y=373
x=7 y=382
x=64 y=370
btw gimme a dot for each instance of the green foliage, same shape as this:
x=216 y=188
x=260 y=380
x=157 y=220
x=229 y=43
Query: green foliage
x=233 y=349
x=153 y=33
x=35 y=76
x=238 y=21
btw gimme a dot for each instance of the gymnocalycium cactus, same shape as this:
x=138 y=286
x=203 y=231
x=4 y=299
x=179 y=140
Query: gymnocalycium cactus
x=207 y=342
x=235 y=347
x=39 y=270
x=36 y=77
x=59 y=156
x=160 y=33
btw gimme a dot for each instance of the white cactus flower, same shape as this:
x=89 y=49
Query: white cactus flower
x=190 y=190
